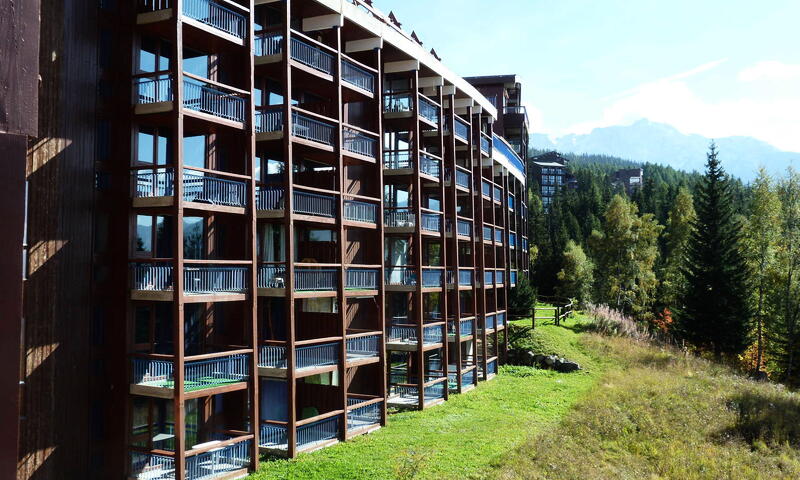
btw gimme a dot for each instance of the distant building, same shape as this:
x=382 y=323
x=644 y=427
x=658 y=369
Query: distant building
x=629 y=178
x=551 y=172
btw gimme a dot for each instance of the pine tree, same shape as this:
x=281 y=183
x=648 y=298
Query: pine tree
x=676 y=237
x=715 y=311
x=577 y=276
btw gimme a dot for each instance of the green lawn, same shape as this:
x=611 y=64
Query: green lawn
x=466 y=437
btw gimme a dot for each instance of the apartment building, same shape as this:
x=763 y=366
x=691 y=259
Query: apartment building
x=629 y=179
x=551 y=173
x=269 y=223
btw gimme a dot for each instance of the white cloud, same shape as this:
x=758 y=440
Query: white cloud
x=770 y=70
x=772 y=115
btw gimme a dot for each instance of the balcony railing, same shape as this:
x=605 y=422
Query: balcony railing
x=268 y=43
x=488 y=278
x=487 y=233
x=151 y=184
x=359 y=143
x=365 y=416
x=356 y=211
x=465 y=277
x=363 y=347
x=513 y=277
x=463 y=178
x=428 y=110
x=464 y=227
x=217 y=16
x=498 y=236
x=272 y=435
x=500 y=277
x=269 y=198
x=498 y=194
x=153 y=89
x=315 y=279
x=268 y=121
x=319 y=431
x=201 y=97
x=467 y=327
x=307 y=203
x=430 y=165
x=206 y=465
x=198 y=375
x=312 y=56
x=196 y=280
x=491 y=367
x=272 y=356
x=317 y=355
x=401 y=276
x=512 y=240
x=357 y=76
x=398 y=217
x=362 y=278
x=397 y=102
x=491 y=322
x=435 y=391
x=431 y=222
x=462 y=129
x=216 y=191
x=397 y=159
x=486 y=188
x=468 y=378
x=501 y=319
x=486 y=145
x=309 y=128
x=432 y=278
x=430 y=334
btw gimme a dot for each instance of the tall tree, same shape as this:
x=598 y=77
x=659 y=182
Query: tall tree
x=677 y=234
x=715 y=308
x=761 y=233
x=625 y=252
x=577 y=275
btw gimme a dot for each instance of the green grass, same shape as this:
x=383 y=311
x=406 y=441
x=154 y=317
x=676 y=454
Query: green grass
x=468 y=436
x=659 y=414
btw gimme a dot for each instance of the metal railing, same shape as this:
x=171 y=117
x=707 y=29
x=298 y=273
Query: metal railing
x=272 y=356
x=198 y=375
x=307 y=203
x=491 y=322
x=204 y=279
x=488 y=278
x=154 y=183
x=365 y=416
x=428 y=110
x=268 y=43
x=462 y=129
x=272 y=276
x=401 y=276
x=203 y=98
x=404 y=391
x=463 y=179
x=465 y=277
x=362 y=278
x=216 y=191
x=357 y=76
x=218 y=461
x=464 y=227
x=486 y=188
x=147 y=466
x=430 y=334
x=357 y=142
x=153 y=90
x=272 y=435
x=397 y=159
x=269 y=121
x=360 y=211
x=468 y=378
x=312 y=56
x=500 y=277
x=432 y=277
x=429 y=165
x=485 y=145
x=431 y=222
x=360 y=347
x=319 y=431
x=315 y=279
x=316 y=355
x=269 y=198
x=435 y=391
x=217 y=16
x=498 y=194
x=487 y=233
x=398 y=217
x=498 y=236
x=491 y=367
x=501 y=318
x=308 y=128
x=151 y=277
x=397 y=102
x=467 y=327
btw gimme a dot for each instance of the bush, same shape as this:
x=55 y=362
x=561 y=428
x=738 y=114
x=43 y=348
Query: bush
x=521 y=298
x=607 y=321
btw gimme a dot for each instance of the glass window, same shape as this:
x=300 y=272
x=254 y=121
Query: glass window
x=163 y=237
x=193 y=238
x=144 y=234
x=144 y=146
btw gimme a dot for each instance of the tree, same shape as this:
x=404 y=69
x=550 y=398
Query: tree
x=577 y=275
x=761 y=233
x=521 y=298
x=625 y=252
x=677 y=233
x=715 y=311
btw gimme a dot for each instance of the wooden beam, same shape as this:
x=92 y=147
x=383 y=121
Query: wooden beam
x=363 y=45
x=323 y=22
x=401 y=66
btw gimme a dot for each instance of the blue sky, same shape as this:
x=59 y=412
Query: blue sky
x=712 y=67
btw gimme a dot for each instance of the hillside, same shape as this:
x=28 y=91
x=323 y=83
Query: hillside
x=646 y=141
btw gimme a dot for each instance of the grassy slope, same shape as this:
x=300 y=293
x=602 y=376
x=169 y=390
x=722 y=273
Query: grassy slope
x=466 y=437
x=659 y=414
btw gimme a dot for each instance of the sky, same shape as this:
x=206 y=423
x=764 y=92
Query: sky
x=713 y=67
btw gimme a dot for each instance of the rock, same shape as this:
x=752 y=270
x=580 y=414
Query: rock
x=568 y=367
x=550 y=360
x=529 y=359
x=538 y=359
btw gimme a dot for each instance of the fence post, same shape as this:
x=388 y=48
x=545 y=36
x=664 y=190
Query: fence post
x=533 y=317
x=558 y=316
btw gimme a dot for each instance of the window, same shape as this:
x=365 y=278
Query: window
x=194 y=238
x=153 y=146
x=154 y=55
x=194 y=151
x=144 y=234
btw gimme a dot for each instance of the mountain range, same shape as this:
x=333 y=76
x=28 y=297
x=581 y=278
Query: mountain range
x=646 y=141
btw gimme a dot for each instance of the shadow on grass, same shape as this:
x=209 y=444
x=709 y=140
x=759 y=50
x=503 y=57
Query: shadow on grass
x=769 y=417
